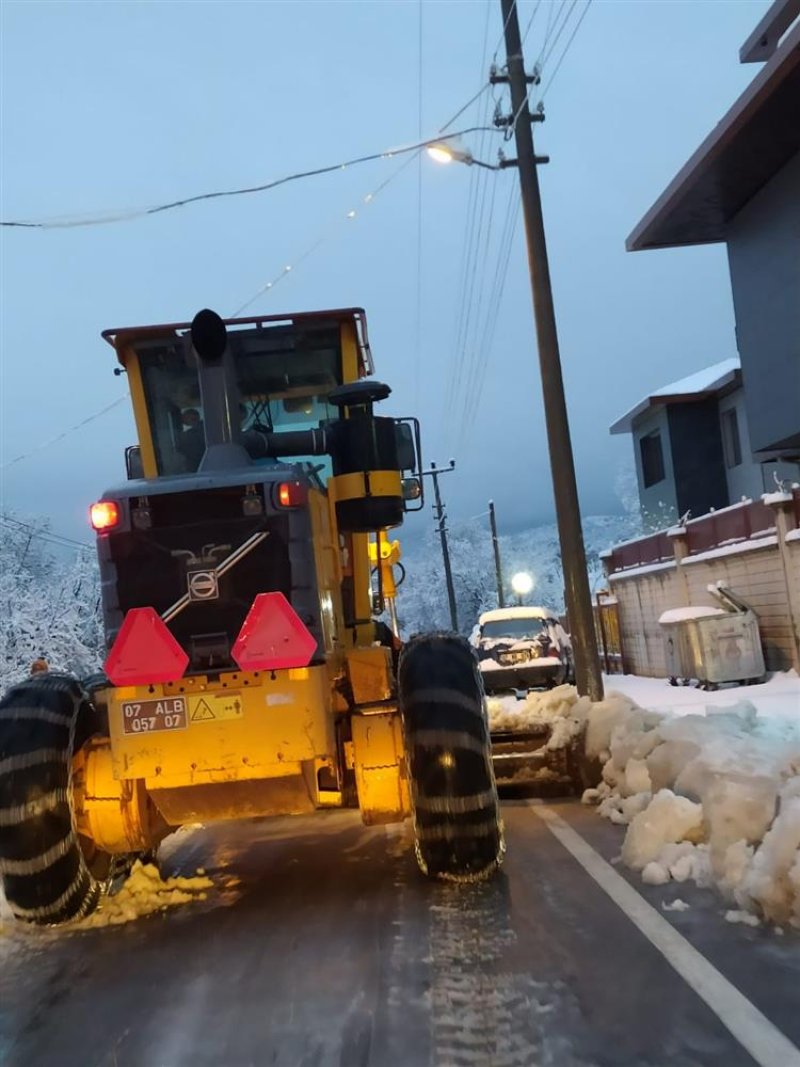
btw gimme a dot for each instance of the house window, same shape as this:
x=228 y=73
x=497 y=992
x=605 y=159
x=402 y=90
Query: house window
x=652 y=459
x=730 y=438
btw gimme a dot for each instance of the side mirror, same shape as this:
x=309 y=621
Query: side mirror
x=412 y=488
x=409 y=455
x=133 y=462
x=406 y=452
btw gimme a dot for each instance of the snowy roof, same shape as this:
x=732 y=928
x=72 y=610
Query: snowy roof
x=502 y=614
x=704 y=383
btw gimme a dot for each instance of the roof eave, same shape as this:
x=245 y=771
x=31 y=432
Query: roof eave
x=653 y=230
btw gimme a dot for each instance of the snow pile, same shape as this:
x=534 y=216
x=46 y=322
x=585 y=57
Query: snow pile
x=145 y=892
x=711 y=797
x=563 y=713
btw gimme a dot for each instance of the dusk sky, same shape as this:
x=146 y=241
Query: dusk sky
x=124 y=105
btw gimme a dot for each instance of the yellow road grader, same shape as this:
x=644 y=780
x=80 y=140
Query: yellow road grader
x=245 y=565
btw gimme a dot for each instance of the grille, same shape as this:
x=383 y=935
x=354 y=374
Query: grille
x=152 y=566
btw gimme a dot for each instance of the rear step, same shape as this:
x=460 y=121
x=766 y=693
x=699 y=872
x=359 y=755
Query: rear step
x=523 y=765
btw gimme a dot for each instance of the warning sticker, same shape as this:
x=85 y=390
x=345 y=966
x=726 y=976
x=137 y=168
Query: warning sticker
x=214 y=707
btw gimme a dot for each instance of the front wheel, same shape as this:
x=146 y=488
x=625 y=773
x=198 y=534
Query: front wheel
x=456 y=810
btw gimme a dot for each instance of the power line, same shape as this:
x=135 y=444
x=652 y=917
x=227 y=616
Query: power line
x=348 y=217
x=483 y=341
x=468 y=104
x=551 y=7
x=485 y=348
x=502 y=32
x=476 y=301
x=536 y=7
x=66 y=433
x=557 y=67
x=47 y=535
x=98 y=220
x=544 y=55
x=557 y=37
x=467 y=266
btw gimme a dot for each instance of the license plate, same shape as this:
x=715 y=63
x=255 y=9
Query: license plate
x=147 y=716
x=514 y=657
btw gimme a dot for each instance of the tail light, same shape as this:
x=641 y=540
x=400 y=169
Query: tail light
x=290 y=495
x=104 y=516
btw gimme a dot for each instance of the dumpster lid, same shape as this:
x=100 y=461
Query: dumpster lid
x=682 y=614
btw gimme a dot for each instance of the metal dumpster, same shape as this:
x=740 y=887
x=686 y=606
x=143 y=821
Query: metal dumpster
x=677 y=648
x=713 y=645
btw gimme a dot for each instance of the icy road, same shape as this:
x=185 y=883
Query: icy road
x=331 y=951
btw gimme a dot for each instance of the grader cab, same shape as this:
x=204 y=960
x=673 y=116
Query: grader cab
x=244 y=567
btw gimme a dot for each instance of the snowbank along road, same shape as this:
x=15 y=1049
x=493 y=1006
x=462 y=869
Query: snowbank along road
x=320 y=945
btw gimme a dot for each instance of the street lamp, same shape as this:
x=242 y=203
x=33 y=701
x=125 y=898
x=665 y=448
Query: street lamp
x=562 y=463
x=449 y=152
x=522 y=584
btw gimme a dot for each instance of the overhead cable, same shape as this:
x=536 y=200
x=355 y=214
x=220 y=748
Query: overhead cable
x=347 y=217
x=46 y=535
x=59 y=437
x=557 y=67
x=104 y=219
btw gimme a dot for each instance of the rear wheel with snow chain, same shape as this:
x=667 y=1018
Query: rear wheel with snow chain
x=45 y=873
x=453 y=791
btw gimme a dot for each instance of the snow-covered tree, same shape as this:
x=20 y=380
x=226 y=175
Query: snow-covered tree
x=49 y=604
x=422 y=601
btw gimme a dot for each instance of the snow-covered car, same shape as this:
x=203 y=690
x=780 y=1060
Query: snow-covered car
x=522 y=648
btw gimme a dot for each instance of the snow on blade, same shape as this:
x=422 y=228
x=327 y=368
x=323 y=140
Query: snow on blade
x=562 y=711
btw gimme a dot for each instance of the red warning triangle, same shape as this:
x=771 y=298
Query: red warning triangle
x=145 y=651
x=273 y=636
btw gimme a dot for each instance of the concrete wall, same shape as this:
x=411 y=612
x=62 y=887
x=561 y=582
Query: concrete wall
x=658 y=502
x=642 y=599
x=764 y=258
x=767 y=577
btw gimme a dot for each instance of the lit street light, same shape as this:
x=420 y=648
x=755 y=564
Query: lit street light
x=449 y=152
x=441 y=152
x=522 y=584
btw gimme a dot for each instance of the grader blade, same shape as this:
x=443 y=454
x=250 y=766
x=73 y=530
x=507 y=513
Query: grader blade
x=525 y=766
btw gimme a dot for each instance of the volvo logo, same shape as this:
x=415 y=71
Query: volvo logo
x=203 y=585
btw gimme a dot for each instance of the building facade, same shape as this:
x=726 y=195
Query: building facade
x=692 y=447
x=742 y=186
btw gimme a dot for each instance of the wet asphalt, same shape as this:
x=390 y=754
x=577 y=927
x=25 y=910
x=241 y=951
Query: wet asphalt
x=323 y=946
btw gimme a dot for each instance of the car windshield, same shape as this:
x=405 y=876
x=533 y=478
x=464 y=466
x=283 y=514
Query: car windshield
x=521 y=628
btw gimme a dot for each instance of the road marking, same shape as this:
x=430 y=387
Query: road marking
x=754 y=1032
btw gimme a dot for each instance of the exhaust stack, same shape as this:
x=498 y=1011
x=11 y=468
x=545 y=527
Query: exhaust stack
x=218 y=394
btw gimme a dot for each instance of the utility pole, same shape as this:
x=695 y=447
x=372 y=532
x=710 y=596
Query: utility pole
x=573 y=554
x=501 y=600
x=439 y=516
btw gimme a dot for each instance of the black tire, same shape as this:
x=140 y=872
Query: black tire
x=44 y=873
x=456 y=811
